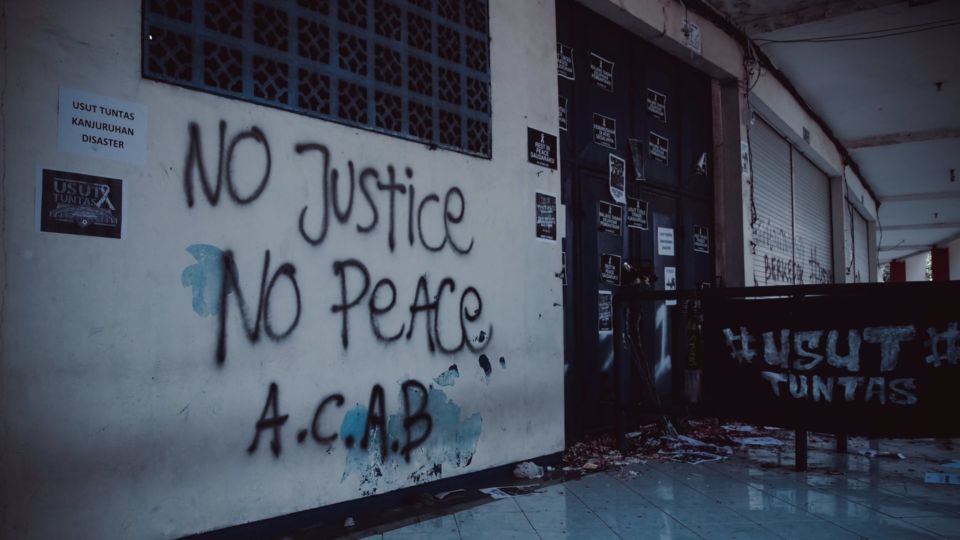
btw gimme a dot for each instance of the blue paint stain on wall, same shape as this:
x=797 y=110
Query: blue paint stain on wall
x=452 y=442
x=448 y=377
x=205 y=277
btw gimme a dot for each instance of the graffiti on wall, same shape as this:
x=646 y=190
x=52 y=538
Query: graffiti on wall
x=440 y=313
x=788 y=258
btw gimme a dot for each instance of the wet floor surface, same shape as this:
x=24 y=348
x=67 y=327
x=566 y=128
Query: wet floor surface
x=754 y=495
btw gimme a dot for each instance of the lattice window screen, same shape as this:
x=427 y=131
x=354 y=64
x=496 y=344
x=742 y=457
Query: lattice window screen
x=416 y=69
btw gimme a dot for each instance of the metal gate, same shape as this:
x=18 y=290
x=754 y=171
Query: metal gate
x=634 y=148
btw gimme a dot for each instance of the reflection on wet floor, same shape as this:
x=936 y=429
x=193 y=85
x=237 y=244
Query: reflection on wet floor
x=754 y=495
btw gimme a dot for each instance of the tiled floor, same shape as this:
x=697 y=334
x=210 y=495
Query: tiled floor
x=745 y=497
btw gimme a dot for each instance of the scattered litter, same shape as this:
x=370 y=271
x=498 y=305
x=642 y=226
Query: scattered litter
x=952 y=464
x=759 y=441
x=742 y=428
x=444 y=494
x=877 y=453
x=349 y=522
x=528 y=470
x=591 y=466
x=941 y=478
x=505 y=492
x=494 y=493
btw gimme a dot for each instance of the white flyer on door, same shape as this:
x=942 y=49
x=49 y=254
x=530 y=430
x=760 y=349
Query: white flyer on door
x=665 y=241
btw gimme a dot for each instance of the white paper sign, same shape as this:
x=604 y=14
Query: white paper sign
x=102 y=126
x=670 y=281
x=665 y=241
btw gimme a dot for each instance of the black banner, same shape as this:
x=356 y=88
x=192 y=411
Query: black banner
x=881 y=364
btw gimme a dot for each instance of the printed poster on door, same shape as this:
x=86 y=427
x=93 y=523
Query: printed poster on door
x=565 y=61
x=701 y=239
x=618 y=178
x=610 y=268
x=605 y=131
x=82 y=204
x=546 y=212
x=657 y=105
x=658 y=147
x=605 y=311
x=609 y=218
x=601 y=72
x=637 y=211
x=670 y=282
x=665 y=241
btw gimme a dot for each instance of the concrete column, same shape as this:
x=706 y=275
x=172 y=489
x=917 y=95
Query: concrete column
x=838 y=198
x=940 y=264
x=873 y=260
x=731 y=254
x=898 y=271
x=953 y=249
x=917 y=267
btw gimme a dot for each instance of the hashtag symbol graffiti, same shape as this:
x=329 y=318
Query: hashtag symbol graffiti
x=944 y=346
x=740 y=346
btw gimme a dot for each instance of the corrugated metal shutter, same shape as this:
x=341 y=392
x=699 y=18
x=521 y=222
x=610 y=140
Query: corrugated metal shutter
x=813 y=245
x=860 y=249
x=773 y=200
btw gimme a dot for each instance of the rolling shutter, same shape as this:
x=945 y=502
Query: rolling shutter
x=773 y=200
x=813 y=244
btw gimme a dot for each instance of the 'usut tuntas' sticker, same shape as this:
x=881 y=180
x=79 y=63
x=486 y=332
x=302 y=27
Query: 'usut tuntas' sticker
x=74 y=203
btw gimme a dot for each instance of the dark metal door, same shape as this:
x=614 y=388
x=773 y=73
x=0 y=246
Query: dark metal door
x=621 y=99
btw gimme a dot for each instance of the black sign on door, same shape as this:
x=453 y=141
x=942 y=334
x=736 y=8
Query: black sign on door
x=565 y=62
x=605 y=131
x=610 y=268
x=601 y=72
x=609 y=218
x=659 y=147
x=546 y=216
x=637 y=211
x=701 y=239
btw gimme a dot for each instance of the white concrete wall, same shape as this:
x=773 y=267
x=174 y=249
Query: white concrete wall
x=917 y=267
x=118 y=421
x=954 y=251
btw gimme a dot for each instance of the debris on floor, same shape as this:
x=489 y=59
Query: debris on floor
x=877 y=453
x=941 y=478
x=349 y=522
x=444 y=494
x=505 y=492
x=528 y=470
x=759 y=441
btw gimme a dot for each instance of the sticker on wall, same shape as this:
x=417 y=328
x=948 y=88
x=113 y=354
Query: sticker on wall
x=605 y=131
x=637 y=214
x=101 y=126
x=605 y=311
x=541 y=148
x=665 y=241
x=700 y=167
x=694 y=38
x=563 y=113
x=610 y=268
x=701 y=239
x=609 y=218
x=636 y=152
x=601 y=72
x=659 y=147
x=546 y=216
x=670 y=282
x=618 y=178
x=74 y=203
x=657 y=105
x=565 y=62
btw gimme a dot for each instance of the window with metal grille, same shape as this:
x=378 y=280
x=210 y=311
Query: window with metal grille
x=416 y=69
